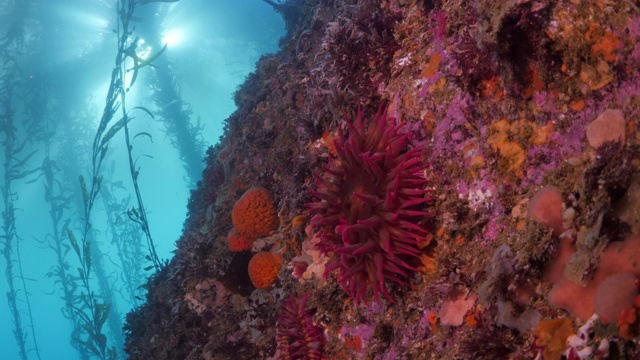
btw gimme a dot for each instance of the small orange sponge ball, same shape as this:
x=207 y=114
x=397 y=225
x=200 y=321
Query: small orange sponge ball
x=238 y=242
x=263 y=269
x=254 y=215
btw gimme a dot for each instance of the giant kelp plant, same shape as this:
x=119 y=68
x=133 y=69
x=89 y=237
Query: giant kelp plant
x=87 y=307
x=93 y=311
x=42 y=120
x=15 y=164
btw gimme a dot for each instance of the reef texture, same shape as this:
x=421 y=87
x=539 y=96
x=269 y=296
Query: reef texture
x=476 y=163
x=238 y=242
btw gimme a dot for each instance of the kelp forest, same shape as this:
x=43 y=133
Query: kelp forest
x=82 y=159
x=320 y=179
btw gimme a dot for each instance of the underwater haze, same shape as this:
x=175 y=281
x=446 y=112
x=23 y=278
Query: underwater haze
x=107 y=108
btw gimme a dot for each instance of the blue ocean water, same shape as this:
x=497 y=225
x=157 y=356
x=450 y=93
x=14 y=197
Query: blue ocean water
x=59 y=121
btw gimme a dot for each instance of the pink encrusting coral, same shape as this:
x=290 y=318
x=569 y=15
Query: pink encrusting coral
x=545 y=208
x=614 y=284
x=370 y=214
x=296 y=335
x=608 y=126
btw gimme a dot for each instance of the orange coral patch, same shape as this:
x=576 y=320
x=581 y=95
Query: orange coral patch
x=577 y=105
x=432 y=66
x=491 y=88
x=425 y=241
x=238 y=242
x=328 y=139
x=535 y=82
x=298 y=220
x=429 y=264
x=263 y=269
x=429 y=122
x=604 y=43
x=540 y=135
x=433 y=320
x=353 y=343
x=477 y=161
x=254 y=215
x=552 y=334
x=471 y=320
x=512 y=156
x=596 y=77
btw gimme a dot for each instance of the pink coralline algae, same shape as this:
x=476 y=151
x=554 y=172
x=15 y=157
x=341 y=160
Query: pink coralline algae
x=296 y=335
x=370 y=216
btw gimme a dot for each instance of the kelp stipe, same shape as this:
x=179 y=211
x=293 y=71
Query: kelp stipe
x=59 y=203
x=176 y=114
x=42 y=115
x=137 y=214
x=99 y=274
x=92 y=311
x=172 y=110
x=126 y=237
x=12 y=47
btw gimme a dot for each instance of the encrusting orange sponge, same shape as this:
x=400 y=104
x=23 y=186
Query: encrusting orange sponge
x=254 y=215
x=238 y=242
x=263 y=269
x=552 y=334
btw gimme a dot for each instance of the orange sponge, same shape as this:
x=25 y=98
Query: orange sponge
x=263 y=269
x=238 y=242
x=552 y=334
x=254 y=215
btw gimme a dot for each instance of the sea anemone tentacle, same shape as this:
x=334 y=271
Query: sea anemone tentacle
x=369 y=211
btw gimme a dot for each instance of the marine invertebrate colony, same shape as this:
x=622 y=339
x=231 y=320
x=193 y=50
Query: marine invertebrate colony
x=263 y=269
x=369 y=215
x=254 y=215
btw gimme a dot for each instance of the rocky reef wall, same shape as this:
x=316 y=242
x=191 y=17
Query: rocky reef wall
x=488 y=211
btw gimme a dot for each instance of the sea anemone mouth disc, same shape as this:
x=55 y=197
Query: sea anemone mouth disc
x=369 y=209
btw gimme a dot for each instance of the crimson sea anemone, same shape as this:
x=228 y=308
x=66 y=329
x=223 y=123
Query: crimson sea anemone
x=369 y=211
x=296 y=335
